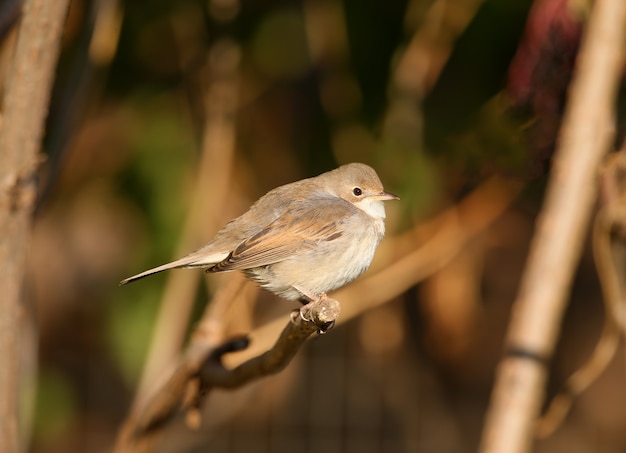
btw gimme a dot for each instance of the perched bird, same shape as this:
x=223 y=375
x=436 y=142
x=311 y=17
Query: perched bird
x=302 y=239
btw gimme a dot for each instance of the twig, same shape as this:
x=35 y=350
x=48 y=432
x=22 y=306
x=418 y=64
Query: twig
x=314 y=317
x=202 y=366
x=167 y=395
x=609 y=228
x=25 y=108
x=585 y=138
x=610 y=224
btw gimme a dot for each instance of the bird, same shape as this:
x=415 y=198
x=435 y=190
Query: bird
x=303 y=239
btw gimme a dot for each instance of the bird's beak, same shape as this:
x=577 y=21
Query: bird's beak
x=383 y=196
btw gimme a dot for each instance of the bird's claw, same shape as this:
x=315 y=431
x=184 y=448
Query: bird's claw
x=298 y=312
x=302 y=313
x=304 y=318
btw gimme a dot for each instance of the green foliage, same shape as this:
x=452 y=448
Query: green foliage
x=129 y=326
x=159 y=177
x=57 y=407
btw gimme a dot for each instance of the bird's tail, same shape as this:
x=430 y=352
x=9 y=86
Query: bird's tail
x=193 y=260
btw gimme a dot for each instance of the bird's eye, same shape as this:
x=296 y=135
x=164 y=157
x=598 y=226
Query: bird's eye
x=356 y=191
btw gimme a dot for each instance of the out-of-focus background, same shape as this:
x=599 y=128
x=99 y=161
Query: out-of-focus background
x=169 y=118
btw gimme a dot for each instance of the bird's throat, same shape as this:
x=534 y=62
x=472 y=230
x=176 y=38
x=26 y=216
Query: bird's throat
x=373 y=208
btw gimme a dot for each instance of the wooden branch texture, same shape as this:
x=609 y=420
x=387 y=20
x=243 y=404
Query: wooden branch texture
x=201 y=370
x=585 y=137
x=24 y=111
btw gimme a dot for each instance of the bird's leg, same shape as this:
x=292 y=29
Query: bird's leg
x=308 y=296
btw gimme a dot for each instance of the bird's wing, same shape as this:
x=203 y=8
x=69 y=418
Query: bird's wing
x=285 y=237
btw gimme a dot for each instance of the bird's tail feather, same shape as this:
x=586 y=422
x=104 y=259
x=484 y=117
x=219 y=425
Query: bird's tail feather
x=189 y=261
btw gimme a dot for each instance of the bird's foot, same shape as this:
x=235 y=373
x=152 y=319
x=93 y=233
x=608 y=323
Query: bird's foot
x=305 y=313
x=307 y=306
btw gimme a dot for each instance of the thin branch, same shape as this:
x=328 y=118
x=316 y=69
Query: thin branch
x=314 y=317
x=609 y=245
x=585 y=137
x=22 y=124
x=202 y=367
x=609 y=229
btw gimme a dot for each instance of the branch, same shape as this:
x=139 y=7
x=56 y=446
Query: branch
x=201 y=370
x=609 y=251
x=22 y=123
x=314 y=317
x=586 y=136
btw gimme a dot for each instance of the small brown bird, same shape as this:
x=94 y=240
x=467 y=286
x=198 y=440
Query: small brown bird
x=302 y=239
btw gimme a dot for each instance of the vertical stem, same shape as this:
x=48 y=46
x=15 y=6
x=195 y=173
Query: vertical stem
x=537 y=313
x=22 y=124
x=212 y=181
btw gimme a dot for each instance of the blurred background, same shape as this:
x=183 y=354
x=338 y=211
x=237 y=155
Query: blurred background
x=169 y=118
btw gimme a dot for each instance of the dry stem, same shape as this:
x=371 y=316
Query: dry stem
x=585 y=138
x=24 y=111
x=201 y=370
x=609 y=232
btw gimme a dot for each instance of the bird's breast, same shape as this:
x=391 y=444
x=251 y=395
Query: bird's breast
x=326 y=265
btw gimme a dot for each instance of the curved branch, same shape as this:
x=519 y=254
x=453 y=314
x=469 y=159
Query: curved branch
x=201 y=370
